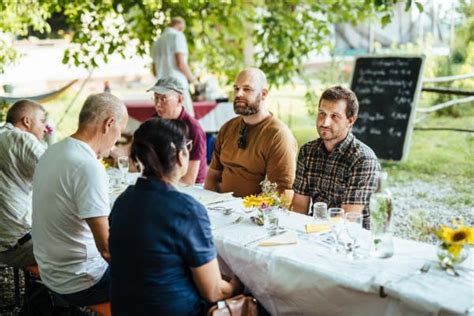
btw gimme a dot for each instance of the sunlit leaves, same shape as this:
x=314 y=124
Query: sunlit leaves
x=281 y=33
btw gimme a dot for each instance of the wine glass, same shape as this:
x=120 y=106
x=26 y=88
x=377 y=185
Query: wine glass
x=336 y=221
x=353 y=222
x=123 y=165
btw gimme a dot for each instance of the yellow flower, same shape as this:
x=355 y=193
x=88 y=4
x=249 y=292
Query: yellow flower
x=463 y=235
x=445 y=233
x=470 y=235
x=454 y=249
x=104 y=164
x=252 y=201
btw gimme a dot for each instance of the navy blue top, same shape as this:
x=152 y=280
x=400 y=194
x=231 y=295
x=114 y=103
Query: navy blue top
x=156 y=235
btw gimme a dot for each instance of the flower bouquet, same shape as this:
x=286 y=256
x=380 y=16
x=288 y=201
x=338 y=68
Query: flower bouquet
x=264 y=202
x=453 y=246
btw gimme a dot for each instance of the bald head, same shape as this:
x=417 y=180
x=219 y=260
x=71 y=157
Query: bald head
x=250 y=92
x=254 y=77
x=20 y=109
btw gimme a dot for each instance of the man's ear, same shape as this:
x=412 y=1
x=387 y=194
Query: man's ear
x=264 y=93
x=108 y=124
x=180 y=99
x=352 y=120
x=26 y=120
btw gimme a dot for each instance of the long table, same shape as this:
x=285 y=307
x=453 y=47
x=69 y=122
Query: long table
x=309 y=279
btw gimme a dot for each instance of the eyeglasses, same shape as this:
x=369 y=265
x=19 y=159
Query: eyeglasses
x=160 y=99
x=189 y=145
x=242 y=140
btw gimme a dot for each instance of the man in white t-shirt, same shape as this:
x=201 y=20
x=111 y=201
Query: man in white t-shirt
x=20 y=150
x=71 y=205
x=170 y=58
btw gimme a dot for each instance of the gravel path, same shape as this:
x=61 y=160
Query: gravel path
x=421 y=204
x=417 y=204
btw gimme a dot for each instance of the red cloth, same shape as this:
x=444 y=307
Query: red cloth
x=202 y=108
x=141 y=110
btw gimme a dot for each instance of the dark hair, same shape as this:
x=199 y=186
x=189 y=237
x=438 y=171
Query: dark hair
x=156 y=144
x=20 y=108
x=337 y=93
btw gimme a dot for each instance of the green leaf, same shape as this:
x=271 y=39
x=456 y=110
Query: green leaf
x=419 y=6
x=386 y=19
x=408 y=4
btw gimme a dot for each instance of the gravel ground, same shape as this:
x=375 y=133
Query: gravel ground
x=416 y=204
x=421 y=204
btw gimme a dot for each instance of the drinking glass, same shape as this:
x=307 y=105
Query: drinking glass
x=336 y=221
x=270 y=220
x=123 y=165
x=320 y=212
x=353 y=222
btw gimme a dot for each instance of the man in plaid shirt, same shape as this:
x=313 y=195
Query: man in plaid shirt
x=336 y=168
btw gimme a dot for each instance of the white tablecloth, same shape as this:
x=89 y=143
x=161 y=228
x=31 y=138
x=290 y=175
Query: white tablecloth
x=309 y=279
x=213 y=121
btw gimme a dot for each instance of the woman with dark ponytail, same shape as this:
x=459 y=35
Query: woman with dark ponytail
x=163 y=257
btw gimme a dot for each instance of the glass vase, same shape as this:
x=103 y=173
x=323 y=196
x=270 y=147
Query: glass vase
x=381 y=209
x=452 y=254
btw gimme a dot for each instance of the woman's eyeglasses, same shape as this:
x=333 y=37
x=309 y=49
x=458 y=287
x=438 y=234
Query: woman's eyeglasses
x=189 y=145
x=242 y=140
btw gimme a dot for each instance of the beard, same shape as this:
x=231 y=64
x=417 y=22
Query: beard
x=326 y=134
x=249 y=108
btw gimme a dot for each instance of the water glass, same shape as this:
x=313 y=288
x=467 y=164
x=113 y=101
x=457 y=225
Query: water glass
x=320 y=212
x=270 y=220
x=353 y=222
x=336 y=221
x=123 y=165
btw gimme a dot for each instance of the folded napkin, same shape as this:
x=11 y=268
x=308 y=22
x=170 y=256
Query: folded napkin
x=206 y=197
x=316 y=228
x=286 y=238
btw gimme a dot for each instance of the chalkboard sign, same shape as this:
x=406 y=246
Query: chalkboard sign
x=387 y=89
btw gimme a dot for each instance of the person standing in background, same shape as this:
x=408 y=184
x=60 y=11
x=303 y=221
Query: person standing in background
x=170 y=58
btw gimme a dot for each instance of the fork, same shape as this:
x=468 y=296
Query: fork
x=235 y=221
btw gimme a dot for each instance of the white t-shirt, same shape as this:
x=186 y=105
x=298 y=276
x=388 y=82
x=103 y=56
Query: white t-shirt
x=19 y=154
x=69 y=186
x=163 y=53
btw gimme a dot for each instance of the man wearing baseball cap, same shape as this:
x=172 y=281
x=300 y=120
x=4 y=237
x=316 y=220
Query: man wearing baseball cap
x=169 y=101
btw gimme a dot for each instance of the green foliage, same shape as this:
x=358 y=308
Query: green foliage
x=461 y=61
x=16 y=17
x=282 y=33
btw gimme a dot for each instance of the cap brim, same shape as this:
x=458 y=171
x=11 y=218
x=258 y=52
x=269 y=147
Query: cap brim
x=160 y=90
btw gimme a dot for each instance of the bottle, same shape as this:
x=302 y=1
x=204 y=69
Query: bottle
x=106 y=86
x=381 y=210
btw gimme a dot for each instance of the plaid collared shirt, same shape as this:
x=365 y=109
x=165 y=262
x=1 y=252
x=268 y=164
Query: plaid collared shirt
x=346 y=176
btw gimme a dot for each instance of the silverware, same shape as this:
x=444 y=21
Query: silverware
x=448 y=267
x=224 y=210
x=425 y=268
x=235 y=221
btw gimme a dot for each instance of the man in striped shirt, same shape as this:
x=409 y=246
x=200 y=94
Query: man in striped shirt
x=20 y=150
